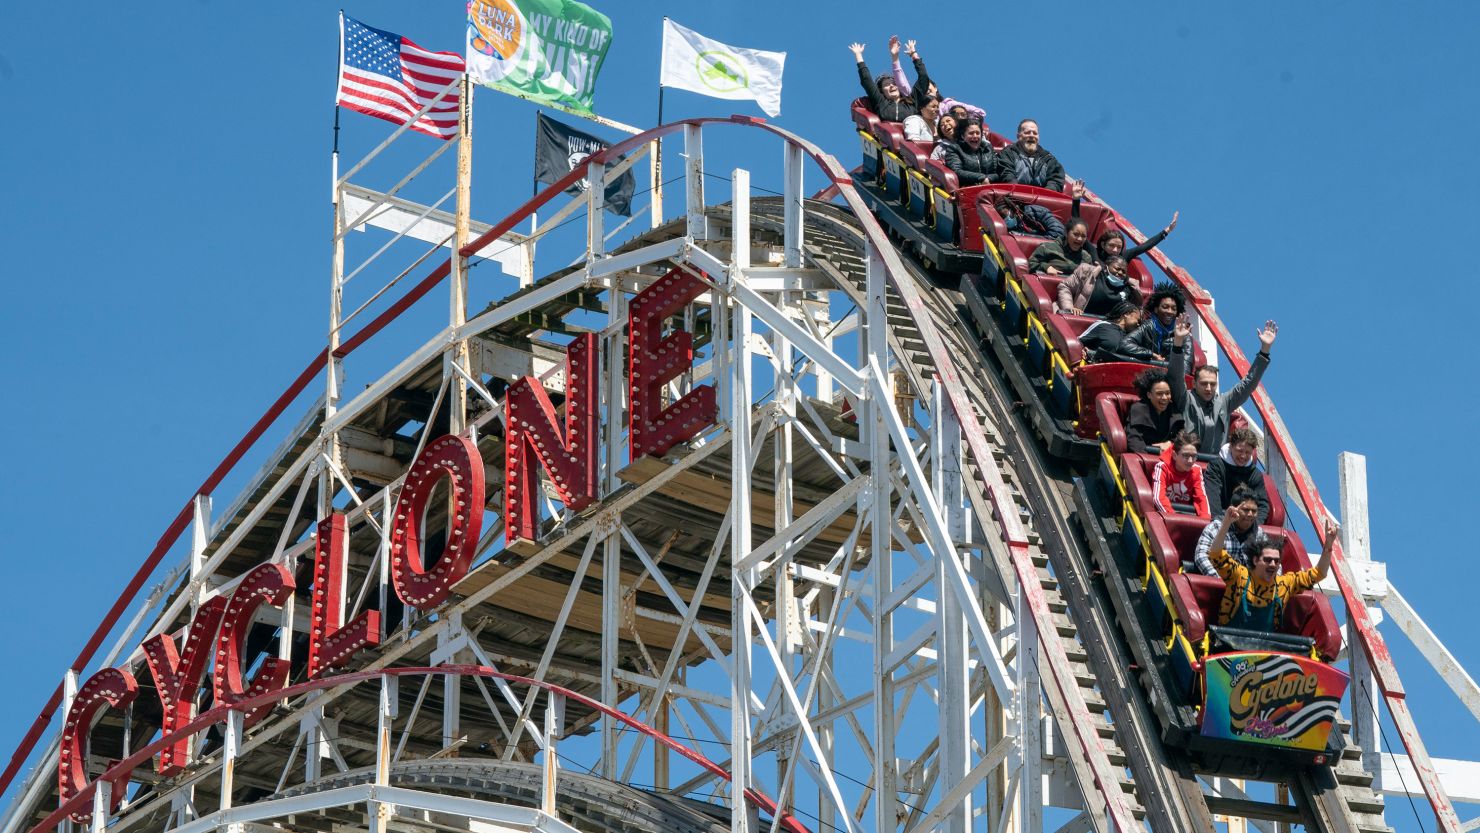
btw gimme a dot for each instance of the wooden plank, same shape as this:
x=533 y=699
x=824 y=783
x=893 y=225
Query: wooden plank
x=713 y=494
x=1246 y=809
x=541 y=598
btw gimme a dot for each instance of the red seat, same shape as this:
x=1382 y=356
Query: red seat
x=1042 y=291
x=1308 y=613
x=1092 y=381
x=943 y=177
x=862 y=116
x=1196 y=598
x=1064 y=332
x=1173 y=539
x=1141 y=467
x=916 y=154
x=1277 y=515
x=889 y=133
x=1111 y=408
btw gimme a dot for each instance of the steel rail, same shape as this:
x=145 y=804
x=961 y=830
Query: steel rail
x=1385 y=671
x=120 y=770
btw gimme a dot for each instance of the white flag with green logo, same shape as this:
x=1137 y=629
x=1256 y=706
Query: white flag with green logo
x=695 y=63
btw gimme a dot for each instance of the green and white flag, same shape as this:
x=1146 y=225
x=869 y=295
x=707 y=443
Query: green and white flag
x=695 y=63
x=548 y=51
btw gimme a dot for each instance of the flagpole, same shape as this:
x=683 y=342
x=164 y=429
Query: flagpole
x=656 y=166
x=334 y=155
x=656 y=162
x=534 y=216
x=459 y=354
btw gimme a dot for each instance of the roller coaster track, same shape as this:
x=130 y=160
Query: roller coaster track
x=1160 y=784
x=1097 y=685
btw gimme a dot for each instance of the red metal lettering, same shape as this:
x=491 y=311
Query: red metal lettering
x=331 y=642
x=177 y=676
x=532 y=435
x=270 y=583
x=656 y=360
x=455 y=458
x=109 y=687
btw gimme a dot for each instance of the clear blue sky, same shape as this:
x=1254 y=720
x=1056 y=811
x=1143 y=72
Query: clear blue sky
x=164 y=215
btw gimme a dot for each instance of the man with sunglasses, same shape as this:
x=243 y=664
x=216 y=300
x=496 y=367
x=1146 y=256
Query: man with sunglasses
x=1254 y=597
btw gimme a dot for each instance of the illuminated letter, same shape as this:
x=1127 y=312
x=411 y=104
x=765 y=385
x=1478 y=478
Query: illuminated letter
x=270 y=583
x=655 y=361
x=531 y=434
x=109 y=687
x=331 y=642
x=455 y=458
x=177 y=675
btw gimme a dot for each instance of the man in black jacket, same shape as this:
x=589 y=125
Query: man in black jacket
x=1026 y=162
x=1237 y=465
x=883 y=93
x=973 y=159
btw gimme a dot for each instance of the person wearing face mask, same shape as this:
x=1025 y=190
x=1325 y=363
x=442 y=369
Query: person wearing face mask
x=1062 y=257
x=1151 y=423
x=1162 y=308
x=1094 y=288
x=1209 y=412
x=883 y=93
x=1237 y=467
x=1243 y=531
x=1028 y=219
x=1026 y=162
x=1254 y=597
x=972 y=158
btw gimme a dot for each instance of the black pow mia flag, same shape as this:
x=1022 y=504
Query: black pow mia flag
x=559 y=148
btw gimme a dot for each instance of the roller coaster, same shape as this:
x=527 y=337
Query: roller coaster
x=801 y=504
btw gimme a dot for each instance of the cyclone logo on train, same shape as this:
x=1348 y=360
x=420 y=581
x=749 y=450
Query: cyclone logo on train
x=495 y=36
x=1275 y=698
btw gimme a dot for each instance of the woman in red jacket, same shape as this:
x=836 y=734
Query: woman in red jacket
x=1177 y=478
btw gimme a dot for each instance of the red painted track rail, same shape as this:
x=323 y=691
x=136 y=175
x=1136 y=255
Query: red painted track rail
x=83 y=800
x=1371 y=640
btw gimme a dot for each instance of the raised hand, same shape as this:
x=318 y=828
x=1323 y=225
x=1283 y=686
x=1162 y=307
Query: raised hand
x=856 y=49
x=1080 y=191
x=909 y=46
x=1172 y=224
x=1268 y=334
x=894 y=46
x=1181 y=328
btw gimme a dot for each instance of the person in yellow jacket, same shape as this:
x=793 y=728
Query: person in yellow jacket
x=1254 y=597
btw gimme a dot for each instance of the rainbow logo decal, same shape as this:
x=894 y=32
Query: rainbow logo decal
x=1274 y=699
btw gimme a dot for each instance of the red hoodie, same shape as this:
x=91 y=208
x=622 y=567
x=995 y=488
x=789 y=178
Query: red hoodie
x=1171 y=486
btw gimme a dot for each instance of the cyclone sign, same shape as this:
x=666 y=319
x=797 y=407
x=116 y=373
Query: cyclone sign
x=1269 y=698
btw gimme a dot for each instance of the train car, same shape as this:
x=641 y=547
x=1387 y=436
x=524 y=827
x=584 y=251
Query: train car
x=1239 y=702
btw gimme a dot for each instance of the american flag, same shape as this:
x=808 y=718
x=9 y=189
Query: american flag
x=385 y=75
